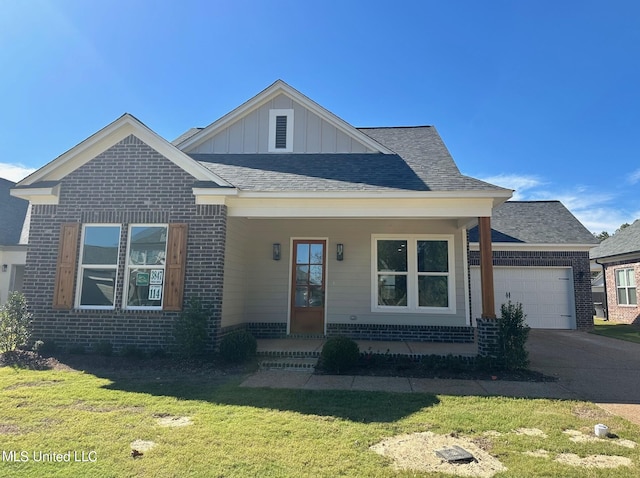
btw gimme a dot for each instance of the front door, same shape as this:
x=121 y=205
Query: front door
x=308 y=286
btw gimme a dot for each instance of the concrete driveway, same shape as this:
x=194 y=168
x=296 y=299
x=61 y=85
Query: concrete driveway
x=594 y=368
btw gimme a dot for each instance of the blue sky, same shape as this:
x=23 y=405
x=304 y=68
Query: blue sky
x=540 y=96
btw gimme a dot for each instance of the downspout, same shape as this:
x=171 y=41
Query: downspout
x=606 y=295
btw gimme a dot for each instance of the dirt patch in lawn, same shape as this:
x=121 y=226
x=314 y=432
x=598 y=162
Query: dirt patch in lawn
x=417 y=452
x=6 y=429
x=171 y=421
x=30 y=360
x=593 y=461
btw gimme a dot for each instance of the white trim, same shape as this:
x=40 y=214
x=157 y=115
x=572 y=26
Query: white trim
x=127 y=266
x=45 y=195
x=466 y=277
x=280 y=87
x=412 y=274
x=82 y=267
x=353 y=194
x=273 y=114
x=107 y=137
x=326 y=274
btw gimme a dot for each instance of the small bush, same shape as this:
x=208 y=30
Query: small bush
x=103 y=348
x=339 y=355
x=512 y=337
x=15 y=323
x=190 y=330
x=238 y=346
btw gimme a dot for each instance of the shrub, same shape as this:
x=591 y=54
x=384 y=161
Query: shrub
x=190 y=330
x=339 y=355
x=15 y=323
x=238 y=346
x=512 y=336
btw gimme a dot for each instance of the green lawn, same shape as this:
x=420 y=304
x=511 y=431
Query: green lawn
x=239 y=432
x=630 y=333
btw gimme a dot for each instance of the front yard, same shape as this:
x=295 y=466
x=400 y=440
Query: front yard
x=199 y=422
x=630 y=333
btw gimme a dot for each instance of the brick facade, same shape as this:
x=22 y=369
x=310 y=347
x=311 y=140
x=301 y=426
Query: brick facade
x=578 y=261
x=488 y=330
x=127 y=184
x=626 y=314
x=417 y=333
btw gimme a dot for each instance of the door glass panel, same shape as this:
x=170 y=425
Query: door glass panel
x=302 y=295
x=302 y=274
x=316 y=297
x=302 y=254
x=316 y=254
x=315 y=275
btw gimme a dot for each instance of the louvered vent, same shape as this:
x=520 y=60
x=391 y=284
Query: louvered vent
x=281 y=132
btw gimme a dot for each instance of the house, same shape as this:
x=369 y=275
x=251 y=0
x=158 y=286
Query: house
x=282 y=218
x=541 y=259
x=13 y=249
x=619 y=257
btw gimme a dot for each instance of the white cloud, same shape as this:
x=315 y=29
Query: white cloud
x=520 y=184
x=14 y=172
x=596 y=210
x=634 y=177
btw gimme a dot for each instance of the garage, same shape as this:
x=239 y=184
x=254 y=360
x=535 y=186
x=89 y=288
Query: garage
x=546 y=294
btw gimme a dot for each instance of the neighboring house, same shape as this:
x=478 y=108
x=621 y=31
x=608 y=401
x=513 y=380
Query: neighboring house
x=280 y=217
x=13 y=249
x=619 y=256
x=541 y=259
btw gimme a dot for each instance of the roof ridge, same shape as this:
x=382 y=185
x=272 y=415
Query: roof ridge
x=395 y=127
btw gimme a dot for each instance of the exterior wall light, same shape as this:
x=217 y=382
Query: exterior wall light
x=276 y=252
x=340 y=252
x=4 y=268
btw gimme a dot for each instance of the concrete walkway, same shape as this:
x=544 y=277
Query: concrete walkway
x=588 y=367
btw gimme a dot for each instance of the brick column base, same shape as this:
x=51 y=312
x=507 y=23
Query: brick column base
x=487 y=337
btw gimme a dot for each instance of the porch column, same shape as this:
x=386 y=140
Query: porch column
x=486 y=268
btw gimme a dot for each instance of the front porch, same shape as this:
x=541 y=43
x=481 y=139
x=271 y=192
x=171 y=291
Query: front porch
x=301 y=354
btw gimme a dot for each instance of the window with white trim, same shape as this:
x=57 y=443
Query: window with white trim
x=413 y=273
x=281 y=131
x=626 y=287
x=145 y=271
x=97 y=275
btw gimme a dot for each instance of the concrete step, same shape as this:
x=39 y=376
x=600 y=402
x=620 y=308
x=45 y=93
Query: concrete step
x=293 y=364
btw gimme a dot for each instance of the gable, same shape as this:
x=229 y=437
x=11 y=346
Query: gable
x=42 y=187
x=251 y=128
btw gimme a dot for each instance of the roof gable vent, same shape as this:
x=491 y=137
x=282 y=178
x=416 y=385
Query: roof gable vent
x=281 y=131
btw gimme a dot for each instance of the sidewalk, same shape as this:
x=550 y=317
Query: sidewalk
x=308 y=381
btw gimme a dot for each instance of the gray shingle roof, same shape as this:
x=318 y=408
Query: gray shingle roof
x=12 y=213
x=625 y=241
x=422 y=163
x=535 y=222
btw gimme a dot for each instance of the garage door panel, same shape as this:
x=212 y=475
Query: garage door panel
x=546 y=294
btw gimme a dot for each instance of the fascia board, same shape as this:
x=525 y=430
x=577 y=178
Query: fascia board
x=265 y=96
x=470 y=195
x=48 y=195
x=109 y=136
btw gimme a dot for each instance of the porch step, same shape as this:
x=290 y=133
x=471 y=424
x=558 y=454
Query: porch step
x=293 y=364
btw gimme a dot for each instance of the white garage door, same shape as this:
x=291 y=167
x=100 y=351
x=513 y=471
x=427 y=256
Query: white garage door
x=546 y=294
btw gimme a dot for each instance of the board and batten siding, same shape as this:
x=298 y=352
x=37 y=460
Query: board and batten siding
x=348 y=289
x=311 y=134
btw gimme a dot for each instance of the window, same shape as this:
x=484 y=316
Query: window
x=626 y=287
x=281 y=131
x=146 y=260
x=413 y=274
x=98 y=266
